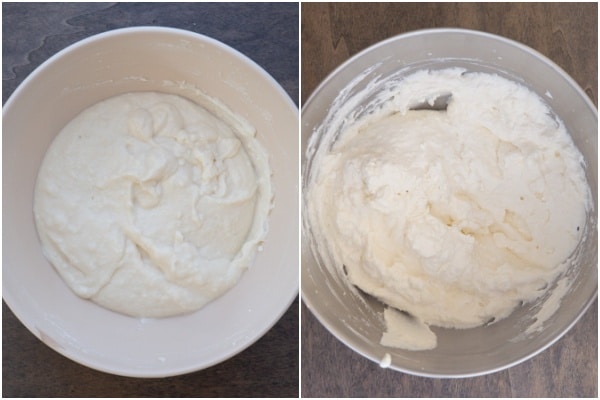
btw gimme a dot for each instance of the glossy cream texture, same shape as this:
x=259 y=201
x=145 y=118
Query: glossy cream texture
x=455 y=216
x=151 y=206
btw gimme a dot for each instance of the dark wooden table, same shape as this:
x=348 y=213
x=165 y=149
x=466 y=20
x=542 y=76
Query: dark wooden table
x=268 y=34
x=567 y=34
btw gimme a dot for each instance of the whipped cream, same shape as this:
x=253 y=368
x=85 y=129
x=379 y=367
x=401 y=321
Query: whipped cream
x=150 y=205
x=455 y=217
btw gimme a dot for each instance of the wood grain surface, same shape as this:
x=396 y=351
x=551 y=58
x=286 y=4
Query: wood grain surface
x=268 y=34
x=567 y=34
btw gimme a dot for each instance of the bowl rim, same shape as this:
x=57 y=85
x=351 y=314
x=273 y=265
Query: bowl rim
x=141 y=29
x=429 y=31
x=267 y=323
x=311 y=303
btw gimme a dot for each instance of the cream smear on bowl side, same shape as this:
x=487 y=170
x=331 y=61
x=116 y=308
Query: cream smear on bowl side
x=151 y=205
x=453 y=217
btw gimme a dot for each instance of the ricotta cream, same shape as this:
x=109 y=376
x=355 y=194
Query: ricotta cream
x=456 y=216
x=150 y=205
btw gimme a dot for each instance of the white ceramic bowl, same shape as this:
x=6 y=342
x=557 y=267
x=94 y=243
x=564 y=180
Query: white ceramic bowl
x=358 y=323
x=137 y=59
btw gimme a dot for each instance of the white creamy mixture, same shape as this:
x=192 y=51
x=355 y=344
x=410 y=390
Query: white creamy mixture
x=455 y=216
x=149 y=205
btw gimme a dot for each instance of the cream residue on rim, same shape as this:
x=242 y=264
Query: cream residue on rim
x=455 y=217
x=151 y=205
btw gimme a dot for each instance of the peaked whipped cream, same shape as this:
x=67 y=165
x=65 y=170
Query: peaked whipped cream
x=455 y=217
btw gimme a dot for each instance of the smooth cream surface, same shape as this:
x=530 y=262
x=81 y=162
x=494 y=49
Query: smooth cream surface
x=149 y=205
x=455 y=216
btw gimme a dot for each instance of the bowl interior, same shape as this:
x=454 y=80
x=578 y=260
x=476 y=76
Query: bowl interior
x=143 y=59
x=358 y=321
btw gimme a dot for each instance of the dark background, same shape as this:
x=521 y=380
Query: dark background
x=266 y=33
x=567 y=33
